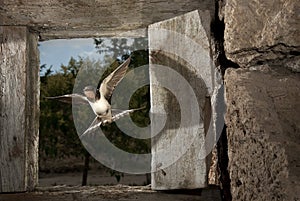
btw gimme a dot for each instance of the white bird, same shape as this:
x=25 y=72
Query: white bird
x=98 y=99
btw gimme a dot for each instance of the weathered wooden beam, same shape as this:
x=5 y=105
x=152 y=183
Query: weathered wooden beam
x=104 y=193
x=93 y=18
x=89 y=32
x=180 y=159
x=32 y=111
x=19 y=97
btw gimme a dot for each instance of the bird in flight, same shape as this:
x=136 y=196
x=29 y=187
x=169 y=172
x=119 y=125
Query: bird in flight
x=98 y=99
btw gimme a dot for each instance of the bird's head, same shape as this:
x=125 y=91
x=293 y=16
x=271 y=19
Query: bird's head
x=89 y=92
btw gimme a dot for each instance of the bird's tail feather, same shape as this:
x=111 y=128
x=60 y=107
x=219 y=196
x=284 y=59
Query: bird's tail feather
x=117 y=114
x=95 y=124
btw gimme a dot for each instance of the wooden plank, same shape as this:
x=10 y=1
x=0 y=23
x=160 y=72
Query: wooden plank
x=13 y=88
x=111 y=193
x=32 y=111
x=17 y=109
x=78 y=18
x=182 y=44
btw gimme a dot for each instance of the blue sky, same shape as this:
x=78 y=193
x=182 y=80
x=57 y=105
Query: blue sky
x=57 y=52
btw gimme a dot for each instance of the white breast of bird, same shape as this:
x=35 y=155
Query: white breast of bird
x=101 y=107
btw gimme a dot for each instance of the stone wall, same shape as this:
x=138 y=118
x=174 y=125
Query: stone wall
x=263 y=134
x=262 y=32
x=262 y=98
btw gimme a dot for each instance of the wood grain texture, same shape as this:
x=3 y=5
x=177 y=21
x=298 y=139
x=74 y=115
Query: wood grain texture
x=110 y=193
x=32 y=111
x=92 y=18
x=184 y=48
x=18 y=109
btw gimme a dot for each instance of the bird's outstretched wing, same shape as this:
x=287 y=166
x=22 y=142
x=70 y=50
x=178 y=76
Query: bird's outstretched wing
x=110 y=82
x=117 y=114
x=71 y=98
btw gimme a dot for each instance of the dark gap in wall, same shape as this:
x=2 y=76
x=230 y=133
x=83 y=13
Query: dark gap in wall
x=218 y=28
x=222 y=149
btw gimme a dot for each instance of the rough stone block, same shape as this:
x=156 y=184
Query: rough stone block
x=259 y=32
x=263 y=134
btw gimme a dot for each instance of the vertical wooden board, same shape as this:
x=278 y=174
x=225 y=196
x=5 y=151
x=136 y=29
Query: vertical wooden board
x=32 y=111
x=19 y=109
x=12 y=100
x=181 y=44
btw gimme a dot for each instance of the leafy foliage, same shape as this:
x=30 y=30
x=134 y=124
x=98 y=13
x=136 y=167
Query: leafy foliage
x=58 y=136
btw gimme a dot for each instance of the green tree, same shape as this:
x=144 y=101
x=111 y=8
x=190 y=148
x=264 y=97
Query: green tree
x=58 y=136
x=141 y=98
